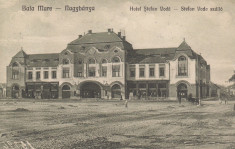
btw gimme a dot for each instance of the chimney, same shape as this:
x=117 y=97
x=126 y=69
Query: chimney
x=119 y=34
x=89 y=31
x=124 y=37
x=79 y=36
x=110 y=30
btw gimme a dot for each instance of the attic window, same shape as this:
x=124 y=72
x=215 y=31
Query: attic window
x=115 y=51
x=107 y=46
x=36 y=60
x=164 y=55
x=15 y=65
x=65 y=53
x=65 y=61
x=46 y=60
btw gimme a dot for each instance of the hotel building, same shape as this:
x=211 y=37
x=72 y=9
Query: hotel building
x=105 y=65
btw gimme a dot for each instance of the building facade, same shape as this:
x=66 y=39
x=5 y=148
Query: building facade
x=105 y=65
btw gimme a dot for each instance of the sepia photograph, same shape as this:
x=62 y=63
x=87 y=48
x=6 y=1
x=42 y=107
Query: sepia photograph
x=124 y=74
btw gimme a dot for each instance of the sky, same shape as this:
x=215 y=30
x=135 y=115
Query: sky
x=210 y=33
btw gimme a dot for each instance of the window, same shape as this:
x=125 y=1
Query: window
x=15 y=71
x=66 y=73
x=91 y=72
x=152 y=85
x=132 y=72
x=38 y=75
x=30 y=75
x=142 y=70
x=116 y=59
x=116 y=71
x=142 y=85
x=162 y=85
x=182 y=66
x=65 y=61
x=162 y=71
x=54 y=75
x=91 y=61
x=104 y=61
x=45 y=74
x=15 y=74
x=80 y=74
x=104 y=71
x=151 y=72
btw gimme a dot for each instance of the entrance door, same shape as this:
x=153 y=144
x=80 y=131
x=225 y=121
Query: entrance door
x=182 y=91
x=90 y=90
x=15 y=91
x=116 y=91
x=66 y=93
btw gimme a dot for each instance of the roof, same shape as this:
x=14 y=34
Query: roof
x=43 y=60
x=20 y=54
x=102 y=37
x=154 y=55
x=184 y=46
x=232 y=78
x=156 y=51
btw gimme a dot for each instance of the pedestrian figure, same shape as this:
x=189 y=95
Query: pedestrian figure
x=126 y=103
x=121 y=98
x=179 y=98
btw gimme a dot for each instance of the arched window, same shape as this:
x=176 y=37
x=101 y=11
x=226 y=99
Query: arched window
x=15 y=65
x=65 y=61
x=91 y=61
x=104 y=61
x=116 y=59
x=182 y=66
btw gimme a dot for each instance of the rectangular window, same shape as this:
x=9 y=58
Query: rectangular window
x=91 y=71
x=15 y=74
x=66 y=73
x=142 y=71
x=162 y=85
x=152 y=85
x=132 y=72
x=80 y=74
x=104 y=71
x=116 y=71
x=54 y=75
x=30 y=75
x=151 y=72
x=182 y=70
x=45 y=74
x=162 y=72
x=142 y=85
x=38 y=75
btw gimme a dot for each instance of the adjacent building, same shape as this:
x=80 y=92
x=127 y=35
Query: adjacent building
x=105 y=65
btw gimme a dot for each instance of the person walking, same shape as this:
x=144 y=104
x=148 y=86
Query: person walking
x=179 y=98
x=126 y=103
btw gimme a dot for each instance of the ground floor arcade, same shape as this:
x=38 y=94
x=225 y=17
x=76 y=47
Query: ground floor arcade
x=52 y=90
